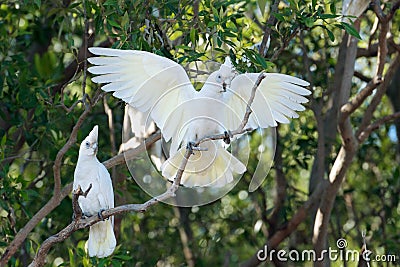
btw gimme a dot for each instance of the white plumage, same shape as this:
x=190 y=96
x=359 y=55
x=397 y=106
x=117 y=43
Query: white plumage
x=89 y=170
x=155 y=84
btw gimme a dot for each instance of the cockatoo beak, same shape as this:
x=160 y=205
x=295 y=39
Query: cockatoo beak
x=95 y=148
x=224 y=87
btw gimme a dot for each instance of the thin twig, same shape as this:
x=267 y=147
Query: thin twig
x=380 y=92
x=358 y=99
x=267 y=30
x=284 y=44
x=374 y=126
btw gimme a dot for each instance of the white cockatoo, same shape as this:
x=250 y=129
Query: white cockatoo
x=136 y=128
x=159 y=85
x=89 y=171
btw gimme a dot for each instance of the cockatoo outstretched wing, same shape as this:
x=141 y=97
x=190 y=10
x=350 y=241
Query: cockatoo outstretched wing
x=277 y=98
x=145 y=81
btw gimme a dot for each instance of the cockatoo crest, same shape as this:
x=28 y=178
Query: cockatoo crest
x=89 y=144
x=93 y=135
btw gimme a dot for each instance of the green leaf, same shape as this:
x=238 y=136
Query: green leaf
x=123 y=257
x=279 y=17
x=113 y=23
x=125 y=20
x=293 y=4
x=215 y=13
x=330 y=34
x=351 y=30
x=193 y=35
x=112 y=3
x=212 y=24
x=314 y=4
x=261 y=5
x=261 y=61
x=227 y=33
x=38 y=3
x=328 y=16
x=309 y=22
x=332 y=6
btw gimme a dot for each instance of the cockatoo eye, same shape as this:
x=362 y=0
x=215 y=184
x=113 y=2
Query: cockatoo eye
x=219 y=78
x=87 y=144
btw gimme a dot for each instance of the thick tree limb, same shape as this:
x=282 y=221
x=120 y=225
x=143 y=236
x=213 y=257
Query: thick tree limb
x=350 y=143
x=322 y=217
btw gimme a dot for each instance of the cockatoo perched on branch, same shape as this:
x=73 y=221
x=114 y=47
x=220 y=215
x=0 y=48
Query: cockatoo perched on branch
x=153 y=83
x=89 y=171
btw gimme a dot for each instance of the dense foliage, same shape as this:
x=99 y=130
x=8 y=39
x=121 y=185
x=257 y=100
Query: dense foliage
x=44 y=88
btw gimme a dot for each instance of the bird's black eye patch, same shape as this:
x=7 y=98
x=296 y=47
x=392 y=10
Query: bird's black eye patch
x=87 y=144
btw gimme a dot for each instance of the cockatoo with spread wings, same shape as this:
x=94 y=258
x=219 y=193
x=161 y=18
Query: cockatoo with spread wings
x=89 y=171
x=160 y=86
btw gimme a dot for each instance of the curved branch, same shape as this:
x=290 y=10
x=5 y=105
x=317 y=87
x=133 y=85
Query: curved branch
x=374 y=126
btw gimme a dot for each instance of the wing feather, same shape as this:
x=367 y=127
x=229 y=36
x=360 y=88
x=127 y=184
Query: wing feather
x=277 y=99
x=145 y=81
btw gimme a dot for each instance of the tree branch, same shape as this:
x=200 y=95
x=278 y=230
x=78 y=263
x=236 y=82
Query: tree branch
x=349 y=141
x=267 y=30
x=358 y=99
x=344 y=157
x=374 y=126
x=79 y=223
x=379 y=94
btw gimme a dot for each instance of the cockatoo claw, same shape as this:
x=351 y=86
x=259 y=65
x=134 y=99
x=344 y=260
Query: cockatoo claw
x=100 y=215
x=227 y=138
x=190 y=146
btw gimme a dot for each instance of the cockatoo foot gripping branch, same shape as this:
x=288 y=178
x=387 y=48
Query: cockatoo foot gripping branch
x=77 y=211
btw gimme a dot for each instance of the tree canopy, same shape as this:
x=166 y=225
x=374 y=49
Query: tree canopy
x=336 y=171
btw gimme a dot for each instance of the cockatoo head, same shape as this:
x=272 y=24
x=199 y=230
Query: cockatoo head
x=89 y=144
x=222 y=78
